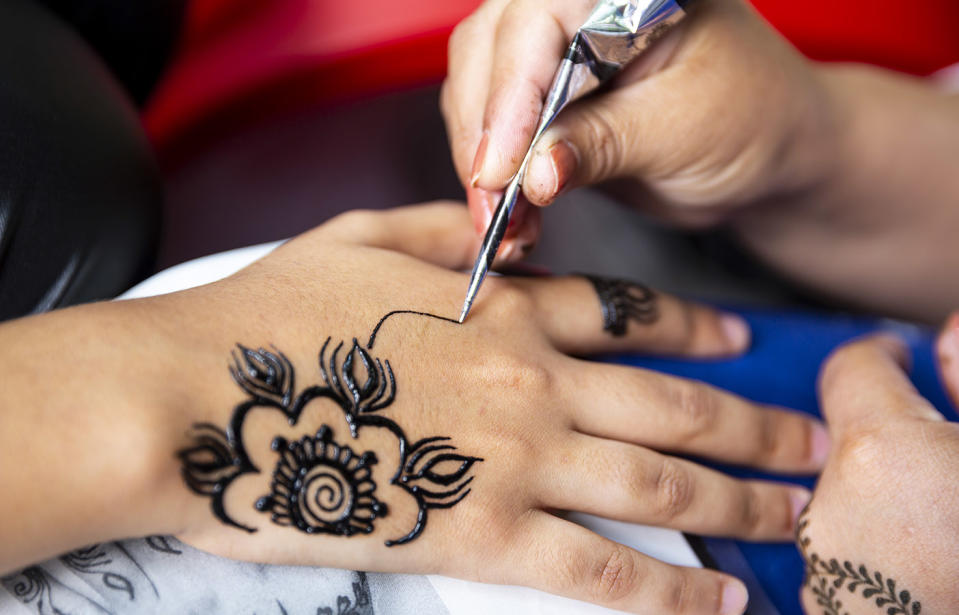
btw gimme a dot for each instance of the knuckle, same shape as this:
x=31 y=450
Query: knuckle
x=356 y=223
x=461 y=36
x=616 y=578
x=605 y=143
x=511 y=299
x=696 y=409
x=674 y=490
x=865 y=453
x=769 y=442
x=520 y=373
x=678 y=595
x=751 y=511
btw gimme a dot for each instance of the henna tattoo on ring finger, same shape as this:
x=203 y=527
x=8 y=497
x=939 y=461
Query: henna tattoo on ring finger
x=623 y=301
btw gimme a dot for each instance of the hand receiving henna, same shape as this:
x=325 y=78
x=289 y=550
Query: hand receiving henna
x=320 y=408
x=365 y=429
x=881 y=534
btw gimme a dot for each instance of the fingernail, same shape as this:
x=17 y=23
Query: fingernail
x=947 y=349
x=735 y=598
x=506 y=252
x=481 y=208
x=819 y=445
x=550 y=171
x=798 y=499
x=480 y=159
x=735 y=330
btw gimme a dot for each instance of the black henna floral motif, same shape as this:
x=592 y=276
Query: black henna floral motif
x=263 y=374
x=322 y=487
x=622 y=301
x=437 y=476
x=378 y=388
x=827 y=577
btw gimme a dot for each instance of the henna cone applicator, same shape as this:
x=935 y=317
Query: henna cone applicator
x=616 y=32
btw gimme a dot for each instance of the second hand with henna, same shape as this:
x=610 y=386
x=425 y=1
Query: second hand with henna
x=615 y=33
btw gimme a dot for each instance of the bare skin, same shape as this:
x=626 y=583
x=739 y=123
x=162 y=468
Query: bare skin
x=829 y=173
x=554 y=432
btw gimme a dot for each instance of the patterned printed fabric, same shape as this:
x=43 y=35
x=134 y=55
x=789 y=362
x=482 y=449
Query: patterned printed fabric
x=162 y=575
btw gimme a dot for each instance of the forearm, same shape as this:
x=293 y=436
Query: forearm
x=878 y=229
x=82 y=458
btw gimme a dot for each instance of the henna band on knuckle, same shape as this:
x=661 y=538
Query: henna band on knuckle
x=622 y=301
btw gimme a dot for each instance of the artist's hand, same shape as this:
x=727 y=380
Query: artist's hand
x=882 y=531
x=720 y=114
x=531 y=429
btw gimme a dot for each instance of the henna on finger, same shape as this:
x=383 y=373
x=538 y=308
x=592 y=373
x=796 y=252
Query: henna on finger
x=623 y=301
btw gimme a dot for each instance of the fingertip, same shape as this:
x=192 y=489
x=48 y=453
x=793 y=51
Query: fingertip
x=799 y=499
x=947 y=351
x=820 y=443
x=736 y=332
x=550 y=172
x=735 y=597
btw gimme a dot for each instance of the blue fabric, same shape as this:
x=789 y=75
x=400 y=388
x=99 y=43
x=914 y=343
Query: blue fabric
x=781 y=368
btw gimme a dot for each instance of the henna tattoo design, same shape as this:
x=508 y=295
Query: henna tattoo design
x=389 y=315
x=622 y=301
x=320 y=486
x=825 y=578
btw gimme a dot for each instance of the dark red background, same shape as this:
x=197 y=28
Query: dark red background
x=243 y=60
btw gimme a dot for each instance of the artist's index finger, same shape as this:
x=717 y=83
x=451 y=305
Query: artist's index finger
x=530 y=40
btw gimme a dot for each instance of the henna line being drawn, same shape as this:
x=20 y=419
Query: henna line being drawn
x=376 y=329
x=874 y=587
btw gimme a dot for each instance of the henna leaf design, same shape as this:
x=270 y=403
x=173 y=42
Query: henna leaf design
x=360 y=383
x=437 y=473
x=826 y=577
x=209 y=462
x=267 y=376
x=437 y=476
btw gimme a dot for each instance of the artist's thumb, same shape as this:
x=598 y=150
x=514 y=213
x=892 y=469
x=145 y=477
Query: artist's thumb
x=607 y=137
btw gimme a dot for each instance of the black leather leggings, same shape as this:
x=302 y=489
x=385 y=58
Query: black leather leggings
x=80 y=195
